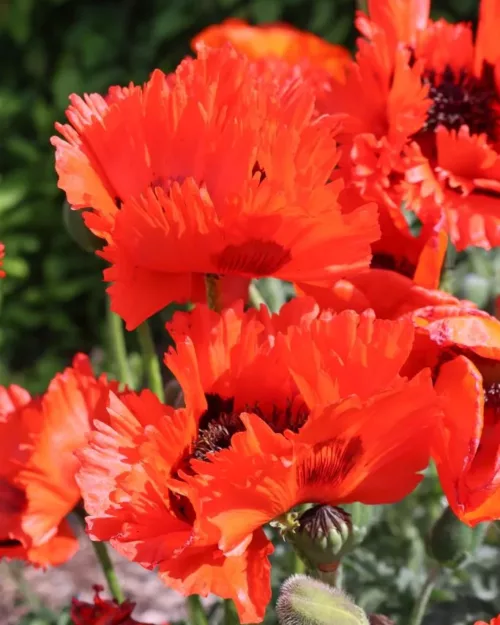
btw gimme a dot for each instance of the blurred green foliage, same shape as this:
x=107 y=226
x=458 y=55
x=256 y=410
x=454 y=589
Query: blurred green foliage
x=53 y=298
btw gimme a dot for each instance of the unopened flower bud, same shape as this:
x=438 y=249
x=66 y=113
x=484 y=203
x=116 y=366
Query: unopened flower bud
x=451 y=541
x=307 y=601
x=78 y=231
x=323 y=536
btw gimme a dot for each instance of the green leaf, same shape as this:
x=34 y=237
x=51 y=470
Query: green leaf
x=265 y=11
x=12 y=191
x=67 y=79
x=19 y=19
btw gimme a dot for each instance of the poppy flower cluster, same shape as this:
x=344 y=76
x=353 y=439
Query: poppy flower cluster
x=271 y=153
x=422 y=104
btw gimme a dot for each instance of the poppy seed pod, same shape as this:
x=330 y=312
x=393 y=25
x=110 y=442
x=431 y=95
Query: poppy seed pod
x=451 y=541
x=323 y=535
x=307 y=601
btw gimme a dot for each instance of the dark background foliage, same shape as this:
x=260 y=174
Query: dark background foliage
x=53 y=299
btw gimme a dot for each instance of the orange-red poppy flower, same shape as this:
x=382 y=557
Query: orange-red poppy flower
x=216 y=170
x=462 y=346
x=283 y=50
x=38 y=440
x=102 y=611
x=447 y=330
x=279 y=41
x=279 y=410
x=425 y=97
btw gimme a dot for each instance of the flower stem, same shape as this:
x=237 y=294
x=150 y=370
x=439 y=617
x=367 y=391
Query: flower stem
x=108 y=569
x=214 y=295
x=339 y=576
x=230 y=614
x=150 y=361
x=299 y=566
x=255 y=296
x=196 y=612
x=418 y=612
x=118 y=347
x=101 y=552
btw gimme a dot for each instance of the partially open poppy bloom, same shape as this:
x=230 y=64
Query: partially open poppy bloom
x=102 y=611
x=462 y=346
x=216 y=170
x=425 y=97
x=467 y=447
x=280 y=410
x=38 y=440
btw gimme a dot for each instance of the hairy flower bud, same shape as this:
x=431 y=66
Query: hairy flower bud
x=78 y=231
x=307 y=601
x=451 y=541
x=322 y=536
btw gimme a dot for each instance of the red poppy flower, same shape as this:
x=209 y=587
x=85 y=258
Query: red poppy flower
x=102 y=611
x=39 y=437
x=187 y=491
x=427 y=96
x=282 y=50
x=171 y=217
x=462 y=346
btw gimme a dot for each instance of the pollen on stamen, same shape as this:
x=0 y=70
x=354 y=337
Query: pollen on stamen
x=217 y=435
x=461 y=99
x=220 y=422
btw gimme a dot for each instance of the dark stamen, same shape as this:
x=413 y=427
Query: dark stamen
x=399 y=265
x=219 y=422
x=216 y=405
x=217 y=435
x=459 y=98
